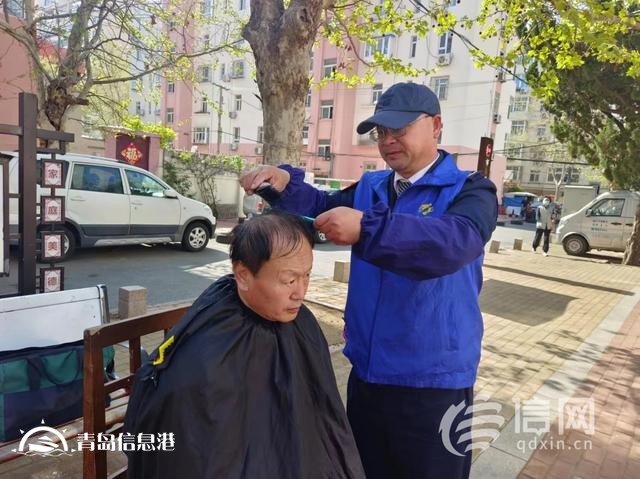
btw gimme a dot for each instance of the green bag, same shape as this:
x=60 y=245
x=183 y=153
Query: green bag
x=39 y=384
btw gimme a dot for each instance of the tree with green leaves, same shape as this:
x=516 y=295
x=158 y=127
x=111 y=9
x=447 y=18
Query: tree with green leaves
x=596 y=106
x=81 y=51
x=554 y=38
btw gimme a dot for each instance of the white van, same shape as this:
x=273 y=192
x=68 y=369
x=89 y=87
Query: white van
x=109 y=202
x=604 y=223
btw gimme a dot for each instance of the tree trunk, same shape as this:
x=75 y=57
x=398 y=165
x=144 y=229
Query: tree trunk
x=632 y=253
x=281 y=40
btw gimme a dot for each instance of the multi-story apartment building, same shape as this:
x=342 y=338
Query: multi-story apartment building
x=536 y=161
x=471 y=102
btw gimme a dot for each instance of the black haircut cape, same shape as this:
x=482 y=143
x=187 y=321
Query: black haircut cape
x=242 y=396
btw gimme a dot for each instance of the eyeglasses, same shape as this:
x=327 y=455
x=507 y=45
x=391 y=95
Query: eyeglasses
x=379 y=133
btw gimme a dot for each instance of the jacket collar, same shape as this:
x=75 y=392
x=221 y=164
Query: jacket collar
x=444 y=172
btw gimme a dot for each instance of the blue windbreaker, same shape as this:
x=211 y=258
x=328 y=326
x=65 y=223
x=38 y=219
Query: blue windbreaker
x=412 y=314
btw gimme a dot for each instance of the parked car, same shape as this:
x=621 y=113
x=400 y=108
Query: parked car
x=605 y=223
x=253 y=205
x=110 y=202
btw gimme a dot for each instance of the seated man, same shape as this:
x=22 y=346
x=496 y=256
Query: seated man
x=244 y=381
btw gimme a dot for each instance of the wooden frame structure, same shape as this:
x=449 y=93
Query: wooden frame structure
x=98 y=418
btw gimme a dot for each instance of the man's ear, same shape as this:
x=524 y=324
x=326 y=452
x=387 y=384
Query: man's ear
x=437 y=126
x=243 y=275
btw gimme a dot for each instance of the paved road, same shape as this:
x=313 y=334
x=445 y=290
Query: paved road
x=173 y=275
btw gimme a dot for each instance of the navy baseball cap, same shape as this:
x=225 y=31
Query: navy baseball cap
x=401 y=104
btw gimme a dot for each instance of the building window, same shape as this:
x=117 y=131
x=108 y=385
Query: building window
x=307 y=101
x=381 y=45
x=171 y=87
x=238 y=102
x=534 y=176
x=329 y=67
x=237 y=69
x=236 y=134
x=260 y=136
x=324 y=149
x=207 y=8
x=518 y=127
x=200 y=135
x=169 y=115
x=542 y=131
x=243 y=4
x=413 y=46
x=514 y=173
x=376 y=93
x=311 y=62
x=204 y=105
x=520 y=103
x=223 y=71
x=521 y=85
x=206 y=42
x=444 y=43
x=554 y=174
x=203 y=74
x=326 y=109
x=139 y=110
x=134 y=85
x=305 y=133
x=440 y=87
x=369 y=166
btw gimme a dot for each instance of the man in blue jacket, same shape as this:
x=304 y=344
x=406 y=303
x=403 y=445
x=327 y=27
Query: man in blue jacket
x=413 y=322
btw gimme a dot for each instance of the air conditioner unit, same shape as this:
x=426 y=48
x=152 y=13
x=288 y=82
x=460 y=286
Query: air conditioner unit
x=501 y=76
x=234 y=145
x=233 y=114
x=258 y=150
x=444 y=59
x=497 y=118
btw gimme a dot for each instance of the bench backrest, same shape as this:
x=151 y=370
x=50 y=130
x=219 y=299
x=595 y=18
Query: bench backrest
x=40 y=320
x=96 y=419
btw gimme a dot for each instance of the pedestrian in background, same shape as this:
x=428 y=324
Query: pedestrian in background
x=413 y=322
x=544 y=225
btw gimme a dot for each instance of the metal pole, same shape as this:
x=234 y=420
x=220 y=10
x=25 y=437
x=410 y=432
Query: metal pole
x=220 y=99
x=28 y=111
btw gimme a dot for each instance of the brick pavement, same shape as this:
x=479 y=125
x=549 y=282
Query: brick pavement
x=540 y=314
x=613 y=450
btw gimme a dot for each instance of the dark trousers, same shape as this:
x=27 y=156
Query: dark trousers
x=536 y=239
x=397 y=430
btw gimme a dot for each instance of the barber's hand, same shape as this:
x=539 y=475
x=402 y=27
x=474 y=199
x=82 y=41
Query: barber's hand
x=276 y=177
x=340 y=225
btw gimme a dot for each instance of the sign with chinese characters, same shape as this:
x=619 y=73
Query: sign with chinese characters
x=51 y=279
x=131 y=154
x=52 y=173
x=52 y=245
x=52 y=209
x=4 y=217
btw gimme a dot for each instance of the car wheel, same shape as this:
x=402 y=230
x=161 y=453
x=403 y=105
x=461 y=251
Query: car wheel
x=575 y=245
x=196 y=237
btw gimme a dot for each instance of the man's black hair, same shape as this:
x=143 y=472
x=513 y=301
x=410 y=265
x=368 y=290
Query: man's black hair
x=253 y=241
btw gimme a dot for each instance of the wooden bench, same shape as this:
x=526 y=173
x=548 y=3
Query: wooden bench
x=41 y=320
x=97 y=418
